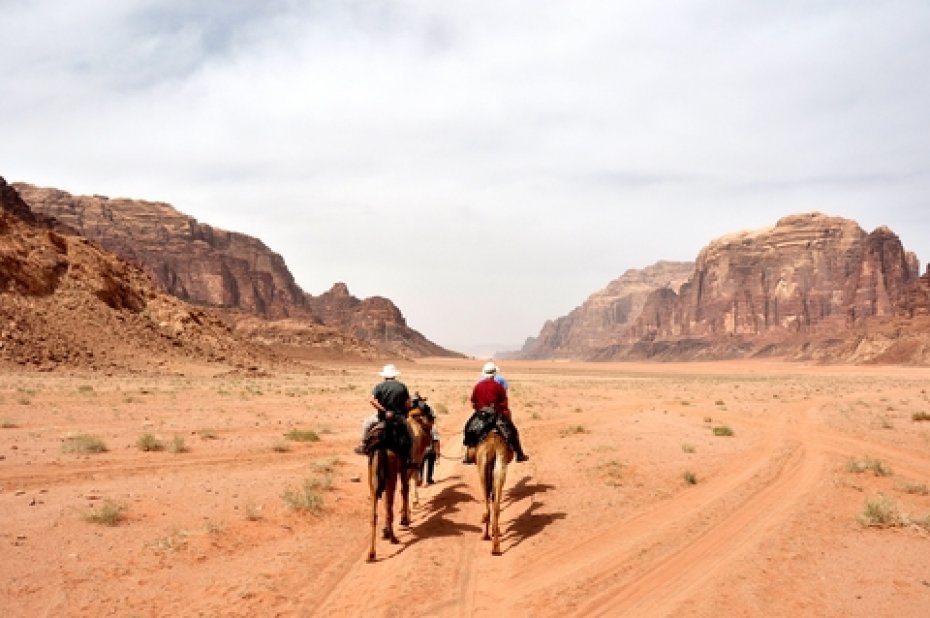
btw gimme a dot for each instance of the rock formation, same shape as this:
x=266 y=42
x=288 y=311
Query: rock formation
x=810 y=277
x=66 y=302
x=227 y=270
x=812 y=287
x=605 y=316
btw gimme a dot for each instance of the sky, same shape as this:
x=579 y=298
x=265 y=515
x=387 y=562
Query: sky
x=486 y=165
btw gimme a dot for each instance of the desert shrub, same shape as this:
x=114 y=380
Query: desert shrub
x=280 y=446
x=307 y=498
x=875 y=466
x=86 y=389
x=177 y=445
x=920 y=416
x=83 y=443
x=109 y=513
x=723 y=430
x=440 y=408
x=913 y=488
x=708 y=419
x=208 y=433
x=688 y=448
x=572 y=430
x=690 y=477
x=719 y=402
x=252 y=512
x=880 y=511
x=302 y=435
x=8 y=424
x=327 y=466
x=148 y=442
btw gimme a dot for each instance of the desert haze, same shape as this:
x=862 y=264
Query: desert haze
x=754 y=488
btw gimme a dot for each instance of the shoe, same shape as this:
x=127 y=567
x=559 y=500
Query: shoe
x=359 y=450
x=430 y=482
x=521 y=457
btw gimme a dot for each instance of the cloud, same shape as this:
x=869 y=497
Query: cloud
x=421 y=141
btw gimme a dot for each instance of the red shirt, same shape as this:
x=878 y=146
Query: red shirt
x=488 y=392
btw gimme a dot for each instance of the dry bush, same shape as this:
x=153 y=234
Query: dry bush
x=83 y=443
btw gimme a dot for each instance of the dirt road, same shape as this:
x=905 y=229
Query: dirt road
x=635 y=501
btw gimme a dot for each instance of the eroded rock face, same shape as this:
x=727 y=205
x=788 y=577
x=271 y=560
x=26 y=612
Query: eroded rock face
x=214 y=268
x=376 y=320
x=190 y=260
x=603 y=319
x=66 y=302
x=807 y=272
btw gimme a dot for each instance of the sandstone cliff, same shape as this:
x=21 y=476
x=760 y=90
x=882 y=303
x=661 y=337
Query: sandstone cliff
x=214 y=268
x=66 y=302
x=376 y=320
x=605 y=316
x=808 y=283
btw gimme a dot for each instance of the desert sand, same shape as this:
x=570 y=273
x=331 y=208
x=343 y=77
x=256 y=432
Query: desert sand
x=631 y=504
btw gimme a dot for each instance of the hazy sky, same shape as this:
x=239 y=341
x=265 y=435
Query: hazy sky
x=487 y=165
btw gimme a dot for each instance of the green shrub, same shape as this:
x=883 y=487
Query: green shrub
x=178 y=445
x=306 y=499
x=690 y=477
x=302 y=435
x=572 y=430
x=920 y=416
x=875 y=466
x=723 y=430
x=83 y=443
x=880 y=511
x=148 y=442
x=109 y=513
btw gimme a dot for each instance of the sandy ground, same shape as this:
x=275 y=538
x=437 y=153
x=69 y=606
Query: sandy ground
x=601 y=521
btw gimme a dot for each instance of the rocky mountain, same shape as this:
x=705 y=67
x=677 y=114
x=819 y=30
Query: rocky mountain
x=66 y=302
x=215 y=268
x=811 y=287
x=804 y=288
x=604 y=318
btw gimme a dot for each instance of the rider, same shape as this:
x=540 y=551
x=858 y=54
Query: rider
x=489 y=393
x=391 y=400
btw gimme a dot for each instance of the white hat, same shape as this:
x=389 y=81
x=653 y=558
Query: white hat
x=389 y=371
x=489 y=368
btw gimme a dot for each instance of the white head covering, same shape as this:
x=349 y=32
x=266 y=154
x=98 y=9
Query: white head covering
x=489 y=368
x=389 y=371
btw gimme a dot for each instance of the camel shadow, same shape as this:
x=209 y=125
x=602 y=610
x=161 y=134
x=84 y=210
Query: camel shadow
x=531 y=521
x=434 y=516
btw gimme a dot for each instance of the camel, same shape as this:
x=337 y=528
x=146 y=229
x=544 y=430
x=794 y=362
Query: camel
x=384 y=468
x=492 y=456
x=421 y=429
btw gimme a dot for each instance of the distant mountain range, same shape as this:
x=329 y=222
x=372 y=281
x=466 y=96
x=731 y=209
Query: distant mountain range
x=812 y=287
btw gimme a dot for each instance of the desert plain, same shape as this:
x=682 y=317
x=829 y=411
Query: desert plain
x=759 y=488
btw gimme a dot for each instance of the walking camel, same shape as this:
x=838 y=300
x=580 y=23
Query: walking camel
x=384 y=468
x=492 y=456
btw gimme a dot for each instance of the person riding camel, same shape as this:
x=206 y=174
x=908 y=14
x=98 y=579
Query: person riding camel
x=489 y=394
x=391 y=401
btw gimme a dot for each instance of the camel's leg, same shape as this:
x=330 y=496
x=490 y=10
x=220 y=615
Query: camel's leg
x=405 y=498
x=389 y=508
x=484 y=487
x=373 y=486
x=500 y=477
x=414 y=481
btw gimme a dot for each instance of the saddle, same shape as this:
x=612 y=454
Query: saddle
x=483 y=422
x=391 y=435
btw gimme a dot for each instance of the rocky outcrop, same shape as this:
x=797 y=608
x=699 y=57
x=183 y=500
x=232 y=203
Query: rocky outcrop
x=808 y=272
x=193 y=261
x=809 y=278
x=64 y=302
x=235 y=272
x=603 y=319
x=375 y=320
